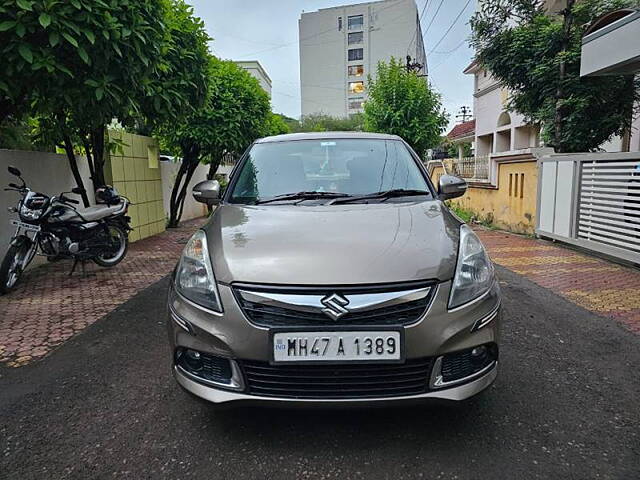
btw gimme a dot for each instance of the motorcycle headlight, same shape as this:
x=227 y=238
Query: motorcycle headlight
x=194 y=278
x=29 y=214
x=474 y=271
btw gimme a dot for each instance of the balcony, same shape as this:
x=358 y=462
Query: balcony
x=472 y=169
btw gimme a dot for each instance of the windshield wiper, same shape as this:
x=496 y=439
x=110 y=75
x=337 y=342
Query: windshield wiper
x=302 y=196
x=385 y=194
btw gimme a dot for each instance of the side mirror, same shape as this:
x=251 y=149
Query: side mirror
x=450 y=186
x=207 y=192
x=14 y=171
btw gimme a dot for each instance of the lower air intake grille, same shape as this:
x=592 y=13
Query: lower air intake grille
x=464 y=364
x=337 y=381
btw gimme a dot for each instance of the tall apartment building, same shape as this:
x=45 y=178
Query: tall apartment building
x=341 y=46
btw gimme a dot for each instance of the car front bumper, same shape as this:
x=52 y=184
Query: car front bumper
x=232 y=336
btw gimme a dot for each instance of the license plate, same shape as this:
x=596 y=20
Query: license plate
x=26 y=226
x=341 y=346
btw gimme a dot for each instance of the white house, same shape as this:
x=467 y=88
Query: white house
x=611 y=46
x=496 y=129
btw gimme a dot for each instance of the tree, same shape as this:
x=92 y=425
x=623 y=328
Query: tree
x=319 y=122
x=179 y=91
x=180 y=84
x=79 y=64
x=537 y=56
x=403 y=103
x=275 y=124
x=236 y=113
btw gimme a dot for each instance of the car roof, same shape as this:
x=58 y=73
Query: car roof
x=291 y=137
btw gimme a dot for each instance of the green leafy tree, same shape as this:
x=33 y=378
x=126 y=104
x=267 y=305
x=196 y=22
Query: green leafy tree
x=403 y=103
x=234 y=115
x=275 y=124
x=318 y=122
x=180 y=84
x=79 y=64
x=537 y=56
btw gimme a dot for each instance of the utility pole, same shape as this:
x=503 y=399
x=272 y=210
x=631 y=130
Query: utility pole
x=413 y=66
x=465 y=112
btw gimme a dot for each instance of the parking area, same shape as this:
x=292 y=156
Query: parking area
x=104 y=405
x=49 y=306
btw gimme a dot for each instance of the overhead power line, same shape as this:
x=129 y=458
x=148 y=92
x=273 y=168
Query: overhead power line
x=450 y=26
x=393 y=4
x=415 y=34
x=433 y=18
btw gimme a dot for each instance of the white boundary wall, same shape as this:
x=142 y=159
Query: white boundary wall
x=192 y=209
x=48 y=173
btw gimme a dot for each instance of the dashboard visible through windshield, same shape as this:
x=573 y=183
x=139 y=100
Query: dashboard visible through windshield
x=326 y=168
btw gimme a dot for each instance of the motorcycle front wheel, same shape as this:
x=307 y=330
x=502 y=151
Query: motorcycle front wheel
x=15 y=261
x=119 y=241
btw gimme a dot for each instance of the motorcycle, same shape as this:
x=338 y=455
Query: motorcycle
x=53 y=227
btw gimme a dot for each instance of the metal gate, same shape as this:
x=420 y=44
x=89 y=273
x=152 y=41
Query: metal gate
x=592 y=200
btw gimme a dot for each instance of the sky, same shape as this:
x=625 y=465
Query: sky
x=267 y=31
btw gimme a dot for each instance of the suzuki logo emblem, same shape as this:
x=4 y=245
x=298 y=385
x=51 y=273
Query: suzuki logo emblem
x=335 y=306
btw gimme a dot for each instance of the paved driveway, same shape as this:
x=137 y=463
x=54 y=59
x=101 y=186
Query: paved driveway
x=103 y=406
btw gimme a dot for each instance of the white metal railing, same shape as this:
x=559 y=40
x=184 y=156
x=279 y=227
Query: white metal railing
x=592 y=200
x=609 y=203
x=473 y=169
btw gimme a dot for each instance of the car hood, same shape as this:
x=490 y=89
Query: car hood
x=333 y=244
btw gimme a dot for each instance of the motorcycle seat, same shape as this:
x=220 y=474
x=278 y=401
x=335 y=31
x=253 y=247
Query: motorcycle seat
x=91 y=214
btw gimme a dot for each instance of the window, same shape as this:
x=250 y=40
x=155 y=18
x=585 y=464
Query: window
x=339 y=24
x=355 y=103
x=355 y=37
x=356 y=87
x=356 y=70
x=355 y=54
x=355 y=22
x=351 y=166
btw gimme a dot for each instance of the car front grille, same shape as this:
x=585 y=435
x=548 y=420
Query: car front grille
x=337 y=381
x=271 y=315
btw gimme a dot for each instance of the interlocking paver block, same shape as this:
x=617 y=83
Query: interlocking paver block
x=598 y=285
x=48 y=307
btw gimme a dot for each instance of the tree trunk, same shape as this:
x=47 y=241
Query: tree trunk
x=68 y=148
x=87 y=150
x=96 y=138
x=216 y=160
x=558 y=119
x=190 y=161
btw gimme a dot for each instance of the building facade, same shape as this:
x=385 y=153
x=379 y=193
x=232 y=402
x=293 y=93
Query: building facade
x=611 y=46
x=497 y=130
x=256 y=70
x=341 y=46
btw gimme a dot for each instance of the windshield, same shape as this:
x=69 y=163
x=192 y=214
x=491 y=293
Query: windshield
x=345 y=166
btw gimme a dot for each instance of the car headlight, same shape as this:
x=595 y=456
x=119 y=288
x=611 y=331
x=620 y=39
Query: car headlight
x=474 y=271
x=194 y=278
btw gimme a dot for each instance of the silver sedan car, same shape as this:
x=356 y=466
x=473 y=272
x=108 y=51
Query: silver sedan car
x=332 y=272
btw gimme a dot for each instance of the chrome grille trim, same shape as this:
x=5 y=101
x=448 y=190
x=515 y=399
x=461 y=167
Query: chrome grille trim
x=401 y=304
x=313 y=303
